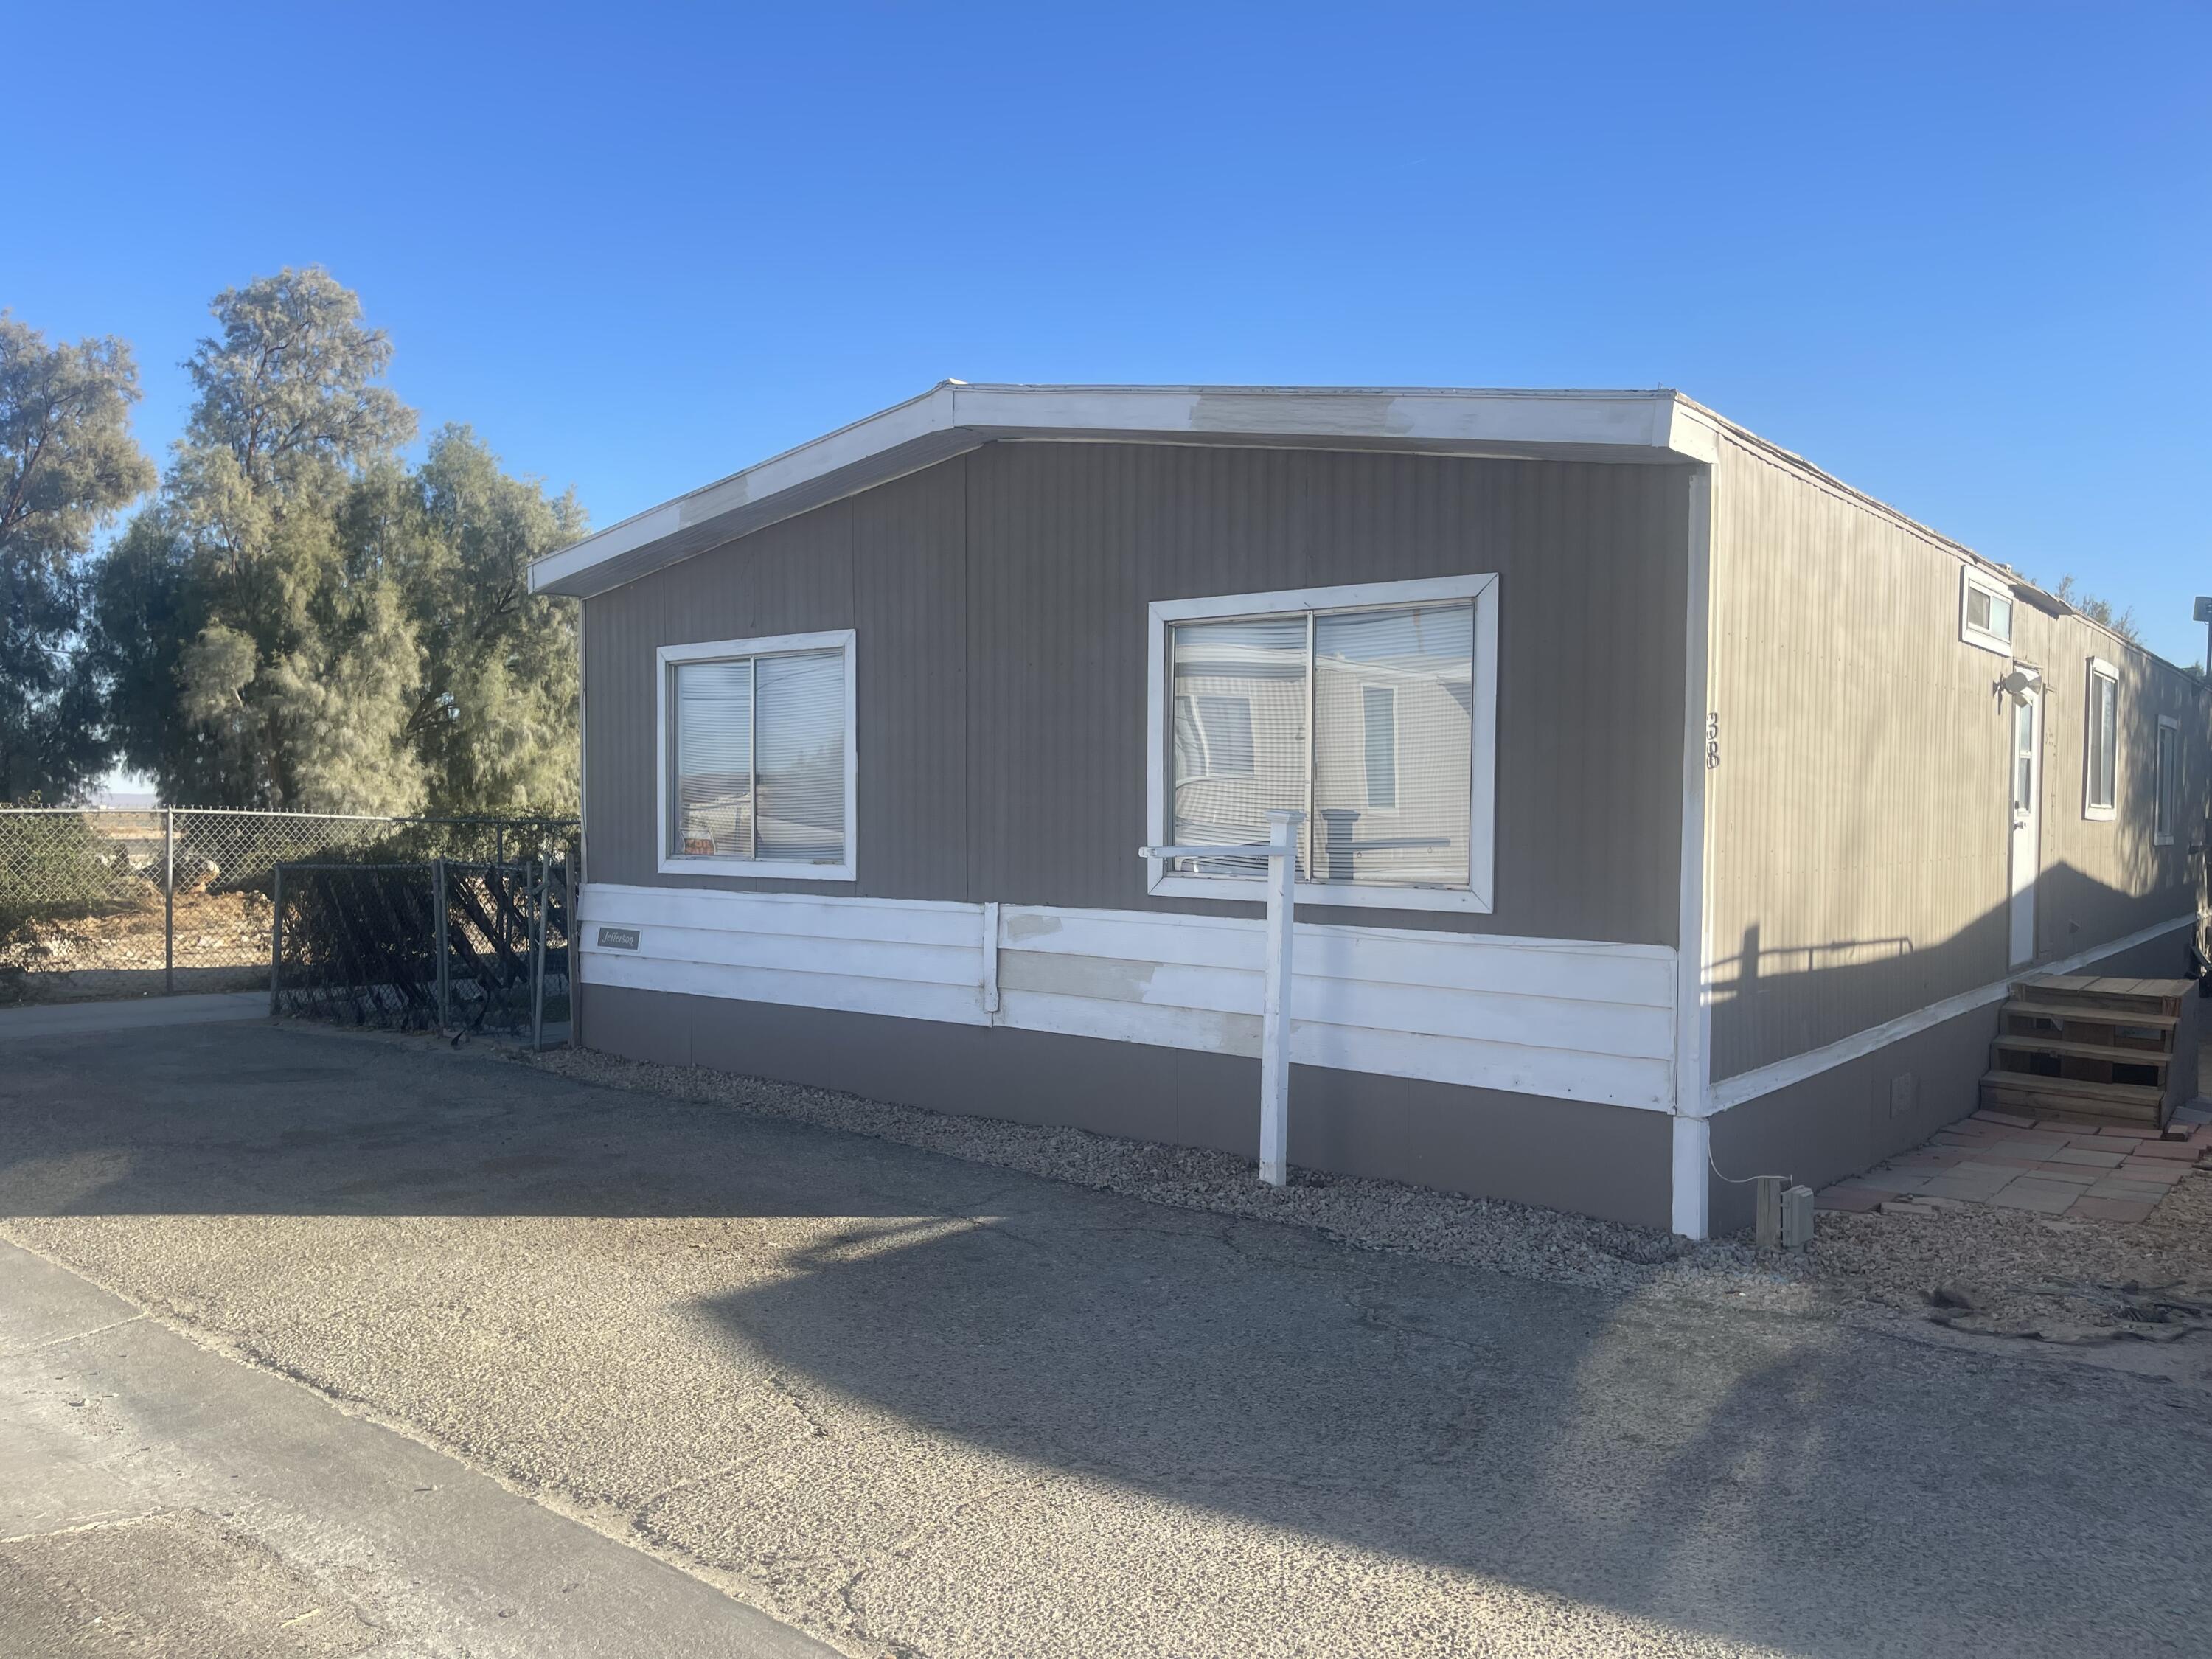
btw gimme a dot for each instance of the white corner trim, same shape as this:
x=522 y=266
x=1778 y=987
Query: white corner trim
x=1692 y=1188
x=1477 y=896
x=1782 y=1074
x=1691 y=1175
x=1982 y=638
x=664 y=659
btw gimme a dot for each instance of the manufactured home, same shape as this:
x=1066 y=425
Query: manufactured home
x=1668 y=812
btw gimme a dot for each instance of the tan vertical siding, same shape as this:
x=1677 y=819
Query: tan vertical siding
x=1001 y=600
x=1859 y=817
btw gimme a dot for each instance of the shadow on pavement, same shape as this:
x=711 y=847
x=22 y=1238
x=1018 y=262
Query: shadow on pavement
x=1771 y=1481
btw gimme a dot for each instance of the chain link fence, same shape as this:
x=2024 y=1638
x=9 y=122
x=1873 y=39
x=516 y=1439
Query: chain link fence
x=441 y=945
x=108 y=902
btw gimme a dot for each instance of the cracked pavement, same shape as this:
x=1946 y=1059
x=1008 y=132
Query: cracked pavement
x=921 y=1407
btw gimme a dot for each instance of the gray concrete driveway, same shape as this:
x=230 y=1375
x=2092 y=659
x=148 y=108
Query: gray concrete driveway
x=928 y=1408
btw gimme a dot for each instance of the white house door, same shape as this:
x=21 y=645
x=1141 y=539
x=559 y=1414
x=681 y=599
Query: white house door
x=2026 y=820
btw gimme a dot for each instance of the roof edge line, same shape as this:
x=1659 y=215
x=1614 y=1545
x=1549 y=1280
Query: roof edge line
x=1568 y=422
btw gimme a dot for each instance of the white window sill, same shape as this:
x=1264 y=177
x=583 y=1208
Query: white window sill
x=2099 y=814
x=1346 y=895
x=1990 y=642
x=771 y=869
x=2161 y=841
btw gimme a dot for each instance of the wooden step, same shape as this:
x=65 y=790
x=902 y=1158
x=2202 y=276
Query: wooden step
x=2093 y=990
x=2102 y=1016
x=2020 y=1043
x=2049 y=1097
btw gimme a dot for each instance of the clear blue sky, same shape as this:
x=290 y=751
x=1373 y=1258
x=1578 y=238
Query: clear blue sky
x=1958 y=254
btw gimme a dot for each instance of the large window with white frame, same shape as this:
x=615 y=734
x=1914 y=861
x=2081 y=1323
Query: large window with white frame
x=2101 y=721
x=757 y=763
x=2168 y=796
x=1984 y=613
x=1371 y=709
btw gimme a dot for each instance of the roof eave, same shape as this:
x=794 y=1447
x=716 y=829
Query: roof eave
x=954 y=416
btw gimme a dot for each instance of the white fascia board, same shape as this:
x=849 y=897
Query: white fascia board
x=898 y=428
x=1621 y=423
x=1620 y=426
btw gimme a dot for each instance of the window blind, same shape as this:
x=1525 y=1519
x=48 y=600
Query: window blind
x=759 y=758
x=801 y=735
x=713 y=759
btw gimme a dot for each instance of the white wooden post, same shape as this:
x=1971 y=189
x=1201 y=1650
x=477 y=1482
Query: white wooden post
x=1280 y=849
x=1275 y=1033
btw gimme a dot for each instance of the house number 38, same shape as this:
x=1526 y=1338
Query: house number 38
x=1712 y=741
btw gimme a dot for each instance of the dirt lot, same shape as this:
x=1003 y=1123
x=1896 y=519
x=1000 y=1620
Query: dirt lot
x=923 y=1405
x=222 y=945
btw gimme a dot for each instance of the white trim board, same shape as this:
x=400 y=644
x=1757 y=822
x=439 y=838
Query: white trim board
x=954 y=416
x=1565 y=1018
x=1781 y=1073
x=1691 y=1193
x=1482 y=807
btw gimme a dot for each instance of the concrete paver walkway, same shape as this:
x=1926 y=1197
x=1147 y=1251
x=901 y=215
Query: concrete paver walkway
x=2055 y=1167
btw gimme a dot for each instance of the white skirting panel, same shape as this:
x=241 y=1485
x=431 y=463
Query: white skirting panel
x=864 y=956
x=1576 y=1019
x=1544 y=1017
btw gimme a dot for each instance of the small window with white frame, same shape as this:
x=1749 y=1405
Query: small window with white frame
x=1984 y=613
x=1371 y=708
x=758 y=772
x=2168 y=809
x=2101 y=761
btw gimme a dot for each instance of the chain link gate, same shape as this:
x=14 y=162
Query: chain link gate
x=442 y=945
x=105 y=902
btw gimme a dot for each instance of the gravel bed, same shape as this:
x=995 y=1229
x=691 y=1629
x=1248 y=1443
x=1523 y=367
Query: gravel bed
x=1523 y=1240
x=2017 y=1273
x=2022 y=1275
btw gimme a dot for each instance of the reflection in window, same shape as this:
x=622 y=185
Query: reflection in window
x=1988 y=612
x=1387 y=770
x=1214 y=736
x=2169 y=781
x=715 y=759
x=1261 y=668
x=759 y=757
x=2103 y=740
x=1381 y=708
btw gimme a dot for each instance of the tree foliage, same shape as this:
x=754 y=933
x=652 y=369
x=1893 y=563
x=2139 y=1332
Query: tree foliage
x=68 y=462
x=303 y=621
x=2099 y=612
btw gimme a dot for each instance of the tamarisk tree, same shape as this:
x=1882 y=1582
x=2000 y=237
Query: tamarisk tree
x=68 y=464
x=304 y=621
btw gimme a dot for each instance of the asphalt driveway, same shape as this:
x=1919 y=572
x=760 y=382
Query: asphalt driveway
x=917 y=1405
